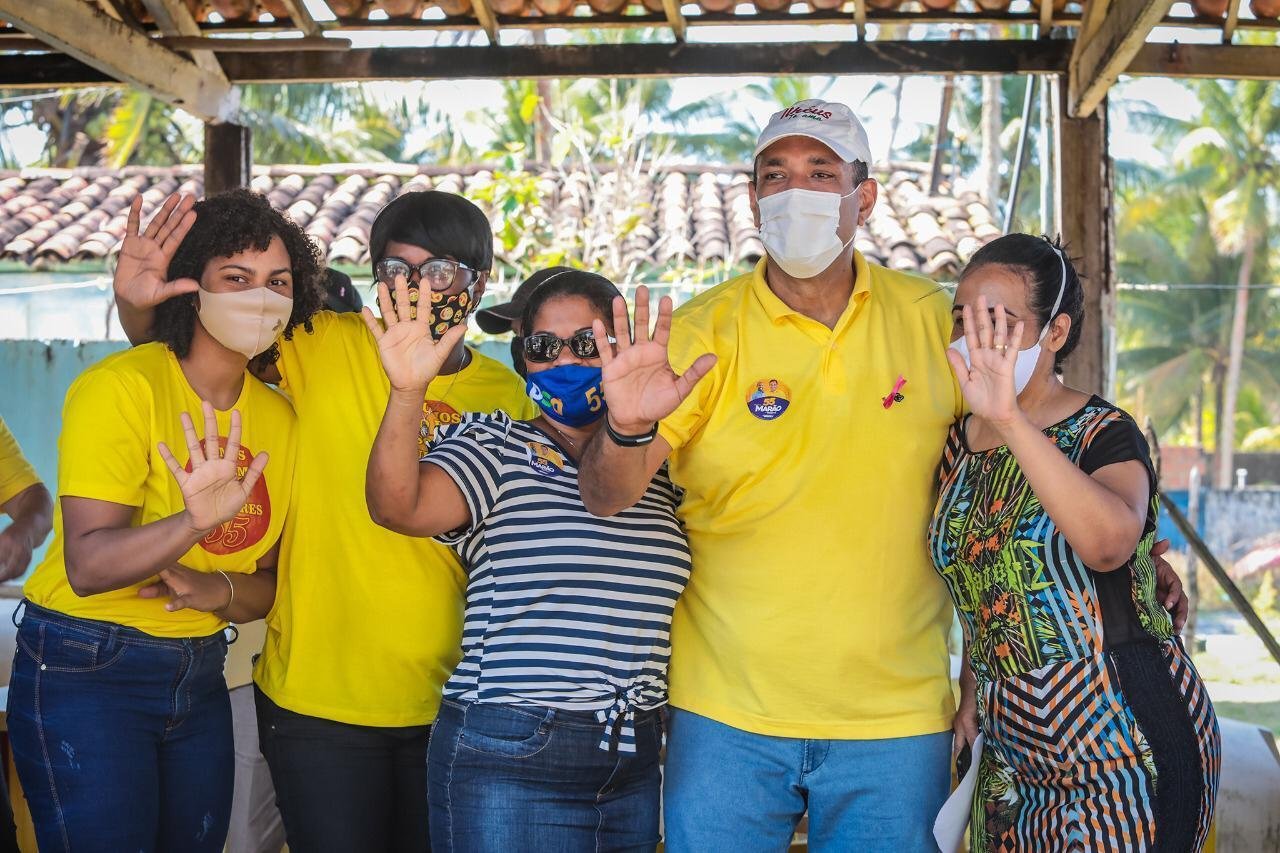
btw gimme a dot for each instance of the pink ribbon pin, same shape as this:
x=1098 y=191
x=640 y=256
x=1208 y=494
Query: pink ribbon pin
x=895 y=396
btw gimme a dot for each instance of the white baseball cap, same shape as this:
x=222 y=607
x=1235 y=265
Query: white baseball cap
x=832 y=124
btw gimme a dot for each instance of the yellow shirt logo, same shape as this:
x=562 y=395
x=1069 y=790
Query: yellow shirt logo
x=768 y=399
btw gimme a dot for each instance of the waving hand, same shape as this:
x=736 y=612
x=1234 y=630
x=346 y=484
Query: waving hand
x=142 y=270
x=640 y=385
x=410 y=356
x=212 y=490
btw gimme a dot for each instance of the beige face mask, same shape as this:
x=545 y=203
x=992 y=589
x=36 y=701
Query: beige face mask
x=245 y=321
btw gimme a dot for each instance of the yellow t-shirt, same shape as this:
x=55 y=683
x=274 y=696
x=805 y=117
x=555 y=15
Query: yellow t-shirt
x=367 y=624
x=813 y=610
x=16 y=473
x=115 y=414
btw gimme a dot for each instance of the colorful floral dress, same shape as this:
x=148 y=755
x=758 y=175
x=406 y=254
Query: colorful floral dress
x=1099 y=733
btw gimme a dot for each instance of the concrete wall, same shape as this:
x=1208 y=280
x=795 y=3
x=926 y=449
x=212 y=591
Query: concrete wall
x=1237 y=521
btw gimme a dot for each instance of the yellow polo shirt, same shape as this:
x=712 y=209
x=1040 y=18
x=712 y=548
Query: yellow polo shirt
x=813 y=610
x=16 y=473
x=367 y=624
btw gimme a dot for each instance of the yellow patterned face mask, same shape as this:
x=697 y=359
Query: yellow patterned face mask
x=447 y=311
x=440 y=275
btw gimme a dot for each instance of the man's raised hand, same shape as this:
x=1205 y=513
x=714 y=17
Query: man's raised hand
x=640 y=386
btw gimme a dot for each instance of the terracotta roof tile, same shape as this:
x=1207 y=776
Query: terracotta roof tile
x=697 y=216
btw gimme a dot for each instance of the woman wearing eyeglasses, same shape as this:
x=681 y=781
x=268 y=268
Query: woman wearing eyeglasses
x=365 y=628
x=549 y=731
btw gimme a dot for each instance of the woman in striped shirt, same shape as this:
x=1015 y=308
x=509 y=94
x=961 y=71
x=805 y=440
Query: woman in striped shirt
x=549 y=733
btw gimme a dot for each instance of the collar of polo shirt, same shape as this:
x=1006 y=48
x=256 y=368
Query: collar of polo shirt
x=777 y=309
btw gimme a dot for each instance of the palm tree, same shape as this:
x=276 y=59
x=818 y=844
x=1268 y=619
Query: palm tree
x=296 y=123
x=1230 y=154
x=1176 y=343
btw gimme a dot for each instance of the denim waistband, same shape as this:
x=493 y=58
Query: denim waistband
x=98 y=628
x=589 y=720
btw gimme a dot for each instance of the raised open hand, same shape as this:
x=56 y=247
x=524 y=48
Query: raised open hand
x=212 y=489
x=987 y=381
x=141 y=279
x=410 y=356
x=640 y=386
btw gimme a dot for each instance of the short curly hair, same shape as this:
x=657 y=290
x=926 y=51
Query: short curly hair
x=227 y=224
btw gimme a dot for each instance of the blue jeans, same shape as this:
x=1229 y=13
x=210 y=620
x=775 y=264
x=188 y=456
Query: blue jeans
x=122 y=740
x=502 y=778
x=734 y=791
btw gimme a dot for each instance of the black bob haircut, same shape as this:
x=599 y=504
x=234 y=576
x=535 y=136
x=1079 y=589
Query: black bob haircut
x=594 y=288
x=445 y=224
x=1040 y=261
x=227 y=224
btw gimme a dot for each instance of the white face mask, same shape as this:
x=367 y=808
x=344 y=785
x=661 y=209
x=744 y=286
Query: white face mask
x=1025 y=367
x=245 y=321
x=800 y=230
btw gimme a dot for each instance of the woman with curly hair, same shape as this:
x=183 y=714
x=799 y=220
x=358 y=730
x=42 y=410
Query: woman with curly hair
x=164 y=533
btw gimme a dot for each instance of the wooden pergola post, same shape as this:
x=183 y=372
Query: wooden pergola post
x=1086 y=221
x=228 y=157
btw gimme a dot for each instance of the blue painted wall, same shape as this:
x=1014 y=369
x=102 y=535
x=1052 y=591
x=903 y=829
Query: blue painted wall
x=35 y=376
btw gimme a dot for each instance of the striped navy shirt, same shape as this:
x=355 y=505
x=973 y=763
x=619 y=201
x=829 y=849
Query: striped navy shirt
x=564 y=609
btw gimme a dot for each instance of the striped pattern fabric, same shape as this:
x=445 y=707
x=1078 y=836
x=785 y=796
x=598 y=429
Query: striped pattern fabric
x=1081 y=733
x=563 y=609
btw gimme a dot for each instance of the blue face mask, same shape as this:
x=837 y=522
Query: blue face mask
x=569 y=394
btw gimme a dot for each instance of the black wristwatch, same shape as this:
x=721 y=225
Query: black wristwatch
x=629 y=440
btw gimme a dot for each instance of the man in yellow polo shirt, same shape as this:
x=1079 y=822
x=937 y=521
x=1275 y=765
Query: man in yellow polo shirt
x=367 y=624
x=809 y=664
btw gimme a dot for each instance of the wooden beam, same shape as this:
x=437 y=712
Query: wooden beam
x=1207 y=61
x=596 y=60
x=94 y=39
x=228 y=157
x=860 y=18
x=235 y=45
x=487 y=18
x=1098 y=61
x=1233 y=20
x=643 y=20
x=1192 y=61
x=1095 y=12
x=653 y=60
x=1085 y=219
x=220 y=45
x=301 y=18
x=1046 y=19
x=120 y=10
x=675 y=18
x=174 y=18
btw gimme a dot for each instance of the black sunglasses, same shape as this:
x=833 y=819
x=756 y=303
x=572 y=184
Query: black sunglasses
x=541 y=347
x=438 y=274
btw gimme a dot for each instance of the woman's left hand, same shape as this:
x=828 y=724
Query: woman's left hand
x=987 y=380
x=188 y=589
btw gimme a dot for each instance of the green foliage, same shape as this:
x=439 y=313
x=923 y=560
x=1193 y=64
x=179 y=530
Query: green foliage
x=1191 y=224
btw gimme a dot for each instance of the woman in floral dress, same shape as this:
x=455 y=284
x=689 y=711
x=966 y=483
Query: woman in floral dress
x=1098 y=732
